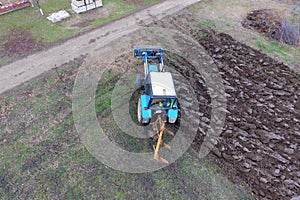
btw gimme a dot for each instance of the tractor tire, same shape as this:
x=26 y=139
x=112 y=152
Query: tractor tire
x=138 y=82
x=139 y=111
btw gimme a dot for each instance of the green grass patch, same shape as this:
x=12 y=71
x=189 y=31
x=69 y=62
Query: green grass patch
x=273 y=47
x=117 y=9
x=40 y=28
x=207 y=23
x=104 y=92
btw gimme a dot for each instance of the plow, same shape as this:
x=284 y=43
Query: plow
x=158 y=96
x=159 y=127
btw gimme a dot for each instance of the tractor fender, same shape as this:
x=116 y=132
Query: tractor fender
x=172 y=115
x=146 y=113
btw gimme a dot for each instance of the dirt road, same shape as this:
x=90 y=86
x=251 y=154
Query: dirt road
x=32 y=66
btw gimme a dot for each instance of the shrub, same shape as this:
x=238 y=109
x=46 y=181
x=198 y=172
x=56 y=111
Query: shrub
x=289 y=33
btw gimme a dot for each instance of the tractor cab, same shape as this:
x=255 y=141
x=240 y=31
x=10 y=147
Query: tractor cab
x=159 y=90
x=159 y=86
x=159 y=97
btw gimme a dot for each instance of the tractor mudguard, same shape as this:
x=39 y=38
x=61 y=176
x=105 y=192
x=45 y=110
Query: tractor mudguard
x=173 y=114
x=146 y=114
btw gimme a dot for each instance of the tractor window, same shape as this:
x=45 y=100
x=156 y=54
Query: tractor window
x=172 y=102
x=166 y=103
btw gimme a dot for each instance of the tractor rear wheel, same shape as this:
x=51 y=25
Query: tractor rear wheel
x=139 y=111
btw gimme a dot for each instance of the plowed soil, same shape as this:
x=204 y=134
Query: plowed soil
x=264 y=21
x=260 y=140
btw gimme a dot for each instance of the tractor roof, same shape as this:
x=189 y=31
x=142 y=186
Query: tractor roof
x=162 y=84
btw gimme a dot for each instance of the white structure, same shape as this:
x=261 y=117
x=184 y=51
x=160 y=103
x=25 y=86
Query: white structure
x=58 y=16
x=80 y=6
x=162 y=84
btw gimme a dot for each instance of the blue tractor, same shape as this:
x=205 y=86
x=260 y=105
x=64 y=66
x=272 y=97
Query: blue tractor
x=158 y=90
